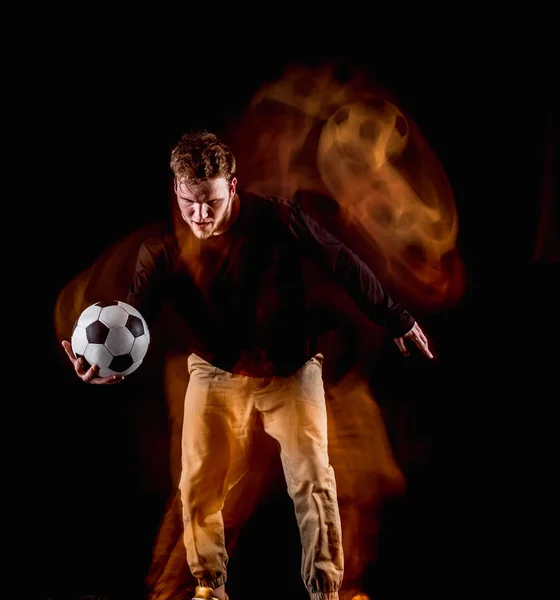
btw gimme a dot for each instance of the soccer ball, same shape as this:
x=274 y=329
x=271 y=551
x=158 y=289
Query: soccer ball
x=112 y=335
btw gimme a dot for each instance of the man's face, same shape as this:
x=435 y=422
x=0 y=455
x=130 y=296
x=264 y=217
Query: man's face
x=206 y=207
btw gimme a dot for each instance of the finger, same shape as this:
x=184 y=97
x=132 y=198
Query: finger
x=79 y=367
x=419 y=338
x=92 y=376
x=68 y=349
x=420 y=335
x=111 y=380
x=91 y=373
x=416 y=332
x=422 y=343
x=401 y=346
x=424 y=348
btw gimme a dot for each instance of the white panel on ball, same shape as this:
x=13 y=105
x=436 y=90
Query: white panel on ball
x=90 y=314
x=131 y=309
x=139 y=348
x=113 y=316
x=79 y=340
x=119 y=341
x=97 y=354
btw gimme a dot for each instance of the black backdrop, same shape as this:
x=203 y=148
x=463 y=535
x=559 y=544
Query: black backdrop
x=105 y=109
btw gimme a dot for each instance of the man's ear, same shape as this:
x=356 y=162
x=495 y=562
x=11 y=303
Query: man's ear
x=233 y=186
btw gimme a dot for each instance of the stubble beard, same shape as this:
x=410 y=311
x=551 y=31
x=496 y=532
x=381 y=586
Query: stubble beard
x=210 y=231
x=205 y=234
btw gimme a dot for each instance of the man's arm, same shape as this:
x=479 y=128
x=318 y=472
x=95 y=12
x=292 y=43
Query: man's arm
x=351 y=272
x=144 y=294
x=146 y=290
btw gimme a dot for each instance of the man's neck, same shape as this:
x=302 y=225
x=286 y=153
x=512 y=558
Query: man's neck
x=232 y=216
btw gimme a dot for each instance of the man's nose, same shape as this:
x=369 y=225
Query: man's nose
x=201 y=211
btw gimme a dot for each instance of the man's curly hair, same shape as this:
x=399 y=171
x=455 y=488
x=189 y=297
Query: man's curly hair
x=200 y=156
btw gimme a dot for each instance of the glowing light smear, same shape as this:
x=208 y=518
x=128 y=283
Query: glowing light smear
x=320 y=131
x=349 y=154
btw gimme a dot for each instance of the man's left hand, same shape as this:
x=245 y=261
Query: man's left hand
x=417 y=336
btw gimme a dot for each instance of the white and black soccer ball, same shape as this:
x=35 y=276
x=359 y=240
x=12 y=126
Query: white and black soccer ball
x=112 y=335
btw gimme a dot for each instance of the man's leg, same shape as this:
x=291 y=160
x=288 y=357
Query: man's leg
x=294 y=413
x=214 y=440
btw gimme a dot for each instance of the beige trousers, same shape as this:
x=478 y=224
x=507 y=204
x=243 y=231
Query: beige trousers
x=219 y=409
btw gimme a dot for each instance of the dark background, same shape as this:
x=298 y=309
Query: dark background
x=107 y=104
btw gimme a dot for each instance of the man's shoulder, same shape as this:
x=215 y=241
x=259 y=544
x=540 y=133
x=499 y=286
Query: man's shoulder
x=262 y=197
x=260 y=203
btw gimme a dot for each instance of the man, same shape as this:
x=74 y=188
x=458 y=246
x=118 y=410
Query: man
x=232 y=267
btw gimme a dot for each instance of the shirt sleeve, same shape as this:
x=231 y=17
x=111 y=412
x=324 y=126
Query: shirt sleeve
x=146 y=290
x=350 y=271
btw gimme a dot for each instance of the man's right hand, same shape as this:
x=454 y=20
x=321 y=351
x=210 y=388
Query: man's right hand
x=88 y=375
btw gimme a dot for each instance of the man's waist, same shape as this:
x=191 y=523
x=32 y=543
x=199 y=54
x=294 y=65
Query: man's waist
x=260 y=362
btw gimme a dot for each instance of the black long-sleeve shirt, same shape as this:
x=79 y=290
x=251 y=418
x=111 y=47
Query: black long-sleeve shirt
x=242 y=292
